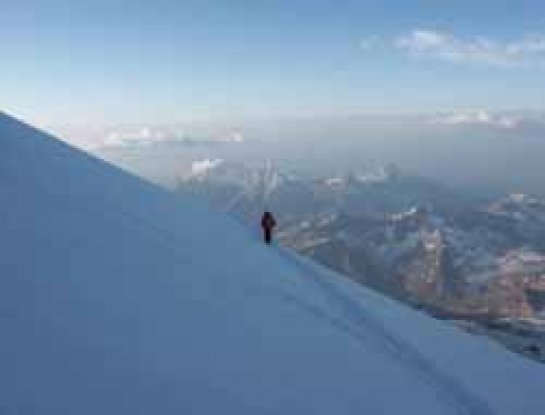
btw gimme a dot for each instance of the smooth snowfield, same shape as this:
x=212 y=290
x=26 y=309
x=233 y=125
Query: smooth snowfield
x=118 y=298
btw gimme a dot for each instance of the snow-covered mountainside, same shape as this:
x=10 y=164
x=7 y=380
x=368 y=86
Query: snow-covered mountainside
x=116 y=297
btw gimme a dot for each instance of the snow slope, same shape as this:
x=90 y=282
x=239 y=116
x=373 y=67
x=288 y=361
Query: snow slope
x=118 y=298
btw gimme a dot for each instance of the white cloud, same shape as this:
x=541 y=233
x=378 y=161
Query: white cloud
x=529 y=50
x=142 y=136
x=478 y=117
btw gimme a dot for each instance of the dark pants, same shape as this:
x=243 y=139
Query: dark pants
x=267 y=235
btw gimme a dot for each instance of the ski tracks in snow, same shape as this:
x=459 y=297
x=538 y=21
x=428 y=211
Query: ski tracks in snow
x=358 y=322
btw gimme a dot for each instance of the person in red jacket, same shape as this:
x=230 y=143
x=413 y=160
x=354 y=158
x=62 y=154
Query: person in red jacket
x=268 y=223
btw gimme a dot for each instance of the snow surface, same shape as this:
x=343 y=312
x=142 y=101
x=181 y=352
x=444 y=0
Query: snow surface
x=117 y=297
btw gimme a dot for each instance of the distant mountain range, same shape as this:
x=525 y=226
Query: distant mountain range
x=455 y=255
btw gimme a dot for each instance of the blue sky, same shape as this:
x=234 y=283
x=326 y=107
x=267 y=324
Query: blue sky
x=107 y=62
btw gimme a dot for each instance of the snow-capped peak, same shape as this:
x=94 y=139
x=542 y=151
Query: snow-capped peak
x=201 y=167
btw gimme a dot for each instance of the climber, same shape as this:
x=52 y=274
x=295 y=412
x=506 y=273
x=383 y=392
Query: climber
x=267 y=223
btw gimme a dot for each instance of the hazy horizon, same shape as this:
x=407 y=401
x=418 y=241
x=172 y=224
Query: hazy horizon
x=447 y=90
